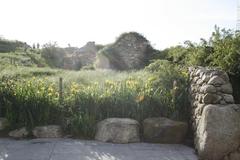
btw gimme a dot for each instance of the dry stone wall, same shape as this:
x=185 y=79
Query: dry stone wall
x=215 y=117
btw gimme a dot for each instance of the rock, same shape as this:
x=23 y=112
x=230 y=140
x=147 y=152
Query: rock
x=191 y=69
x=225 y=158
x=208 y=89
x=199 y=98
x=223 y=102
x=118 y=130
x=19 y=133
x=225 y=76
x=227 y=88
x=199 y=108
x=218 y=132
x=200 y=82
x=205 y=78
x=216 y=81
x=50 y=131
x=234 y=156
x=3 y=123
x=209 y=98
x=219 y=89
x=163 y=130
x=228 y=98
x=195 y=79
x=200 y=71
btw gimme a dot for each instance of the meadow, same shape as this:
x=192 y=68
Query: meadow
x=31 y=96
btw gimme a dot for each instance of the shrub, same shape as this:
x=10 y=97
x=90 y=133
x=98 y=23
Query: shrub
x=172 y=81
x=53 y=55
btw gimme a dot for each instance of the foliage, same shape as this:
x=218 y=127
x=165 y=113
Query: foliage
x=53 y=54
x=11 y=46
x=34 y=101
x=28 y=102
x=172 y=80
x=226 y=50
x=222 y=50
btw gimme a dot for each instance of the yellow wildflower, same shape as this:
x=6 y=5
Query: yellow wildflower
x=140 y=98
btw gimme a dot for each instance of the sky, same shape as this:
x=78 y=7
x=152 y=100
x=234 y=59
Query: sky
x=164 y=23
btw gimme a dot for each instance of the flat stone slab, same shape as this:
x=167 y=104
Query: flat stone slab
x=71 y=149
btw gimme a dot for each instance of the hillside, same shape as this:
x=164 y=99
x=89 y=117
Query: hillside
x=10 y=45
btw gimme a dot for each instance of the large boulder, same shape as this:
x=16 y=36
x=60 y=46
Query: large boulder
x=163 y=130
x=218 y=132
x=3 y=123
x=118 y=130
x=19 y=133
x=50 y=131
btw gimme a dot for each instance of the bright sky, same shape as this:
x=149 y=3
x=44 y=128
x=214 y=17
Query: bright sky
x=163 y=22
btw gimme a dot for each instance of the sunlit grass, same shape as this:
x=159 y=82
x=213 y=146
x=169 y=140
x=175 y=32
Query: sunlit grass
x=30 y=96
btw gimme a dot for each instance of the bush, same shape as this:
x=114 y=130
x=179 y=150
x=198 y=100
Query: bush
x=53 y=55
x=172 y=81
x=222 y=50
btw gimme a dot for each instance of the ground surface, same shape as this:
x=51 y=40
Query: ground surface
x=70 y=149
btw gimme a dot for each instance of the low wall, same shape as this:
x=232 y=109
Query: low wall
x=215 y=117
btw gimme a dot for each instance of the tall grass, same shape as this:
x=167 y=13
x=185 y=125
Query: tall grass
x=89 y=96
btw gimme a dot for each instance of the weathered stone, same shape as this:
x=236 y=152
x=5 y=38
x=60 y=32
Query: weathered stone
x=200 y=108
x=209 y=98
x=195 y=79
x=201 y=74
x=200 y=71
x=205 y=77
x=223 y=102
x=118 y=130
x=50 y=131
x=218 y=89
x=227 y=88
x=225 y=76
x=216 y=81
x=195 y=104
x=228 y=98
x=208 y=89
x=226 y=158
x=200 y=82
x=19 y=133
x=234 y=156
x=218 y=132
x=79 y=57
x=220 y=73
x=163 y=130
x=200 y=98
x=3 y=123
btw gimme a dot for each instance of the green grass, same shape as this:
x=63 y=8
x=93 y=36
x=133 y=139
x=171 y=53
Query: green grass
x=21 y=58
x=29 y=96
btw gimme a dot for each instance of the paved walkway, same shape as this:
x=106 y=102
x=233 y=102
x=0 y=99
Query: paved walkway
x=70 y=149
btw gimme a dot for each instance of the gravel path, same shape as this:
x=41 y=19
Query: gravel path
x=71 y=149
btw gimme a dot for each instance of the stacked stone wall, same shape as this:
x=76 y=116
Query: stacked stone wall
x=215 y=117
